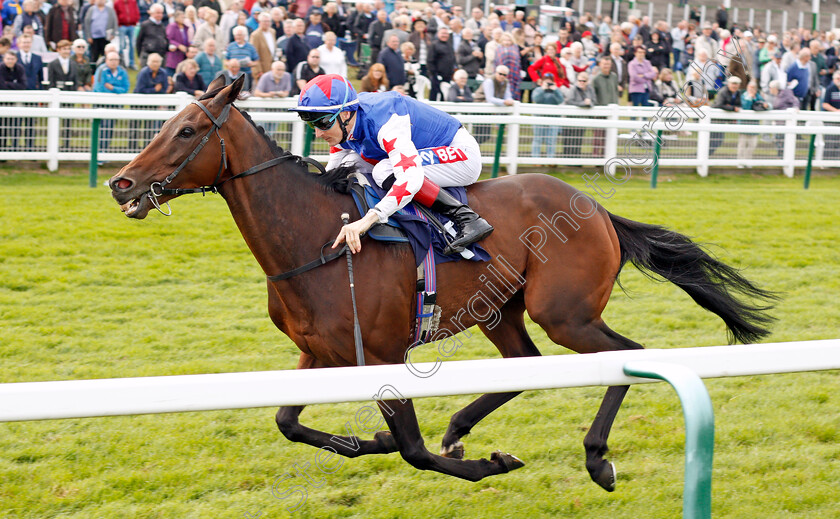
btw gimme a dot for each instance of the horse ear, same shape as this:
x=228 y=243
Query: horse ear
x=229 y=94
x=219 y=82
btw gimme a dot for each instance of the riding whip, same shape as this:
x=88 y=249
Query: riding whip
x=357 y=330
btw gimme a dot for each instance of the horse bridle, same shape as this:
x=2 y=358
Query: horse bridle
x=157 y=189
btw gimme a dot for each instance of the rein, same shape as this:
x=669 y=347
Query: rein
x=159 y=188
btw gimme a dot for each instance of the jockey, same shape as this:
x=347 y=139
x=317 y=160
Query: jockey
x=411 y=149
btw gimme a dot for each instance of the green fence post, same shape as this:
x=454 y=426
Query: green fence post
x=497 y=155
x=699 y=431
x=308 y=135
x=94 y=151
x=657 y=149
x=810 y=160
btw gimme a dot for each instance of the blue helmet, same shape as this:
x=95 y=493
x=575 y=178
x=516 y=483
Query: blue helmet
x=329 y=93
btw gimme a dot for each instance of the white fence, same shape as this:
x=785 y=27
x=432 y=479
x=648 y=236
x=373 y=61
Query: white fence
x=130 y=396
x=55 y=126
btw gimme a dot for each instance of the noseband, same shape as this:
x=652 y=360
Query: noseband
x=157 y=189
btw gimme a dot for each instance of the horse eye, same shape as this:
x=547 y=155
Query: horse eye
x=187 y=132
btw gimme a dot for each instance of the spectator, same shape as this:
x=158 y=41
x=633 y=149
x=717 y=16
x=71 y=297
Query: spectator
x=468 y=56
x=33 y=66
x=583 y=95
x=831 y=103
x=709 y=70
x=100 y=26
x=333 y=60
x=547 y=94
x=401 y=24
x=641 y=74
x=707 y=42
x=590 y=48
x=152 y=35
x=285 y=34
x=815 y=66
x=549 y=64
x=750 y=100
x=128 y=16
x=772 y=71
x=307 y=70
x=619 y=66
x=229 y=20
x=507 y=54
x=38 y=45
x=11 y=10
x=722 y=16
x=375 y=80
x=209 y=63
x=728 y=99
x=152 y=79
x=496 y=89
x=112 y=79
x=179 y=39
x=679 y=36
x=30 y=15
x=376 y=30
x=477 y=20
x=412 y=72
x=276 y=84
x=364 y=18
x=605 y=83
x=393 y=62
x=800 y=72
x=315 y=29
x=490 y=48
x=278 y=16
x=821 y=63
x=189 y=80
x=667 y=91
x=208 y=30
x=243 y=51
x=422 y=42
x=441 y=62
x=60 y=23
x=12 y=75
x=83 y=66
x=766 y=53
x=296 y=48
x=232 y=72
x=459 y=92
x=264 y=40
x=334 y=20
x=213 y=5
x=191 y=21
x=657 y=51
x=63 y=72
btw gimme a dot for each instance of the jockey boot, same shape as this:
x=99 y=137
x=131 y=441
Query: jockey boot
x=471 y=227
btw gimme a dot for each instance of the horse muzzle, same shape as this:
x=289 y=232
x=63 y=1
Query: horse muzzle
x=134 y=201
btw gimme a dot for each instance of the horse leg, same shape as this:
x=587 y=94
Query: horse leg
x=512 y=339
x=349 y=446
x=402 y=421
x=591 y=337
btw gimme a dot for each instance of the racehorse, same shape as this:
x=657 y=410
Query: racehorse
x=286 y=214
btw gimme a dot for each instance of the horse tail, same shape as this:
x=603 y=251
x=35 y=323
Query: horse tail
x=712 y=284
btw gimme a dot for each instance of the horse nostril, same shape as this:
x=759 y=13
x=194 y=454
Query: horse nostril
x=121 y=183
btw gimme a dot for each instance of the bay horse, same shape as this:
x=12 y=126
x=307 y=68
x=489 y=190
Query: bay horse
x=285 y=213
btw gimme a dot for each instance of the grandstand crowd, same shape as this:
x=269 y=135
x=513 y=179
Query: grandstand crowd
x=411 y=47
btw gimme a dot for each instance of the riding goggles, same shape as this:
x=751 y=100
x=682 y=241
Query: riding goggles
x=318 y=120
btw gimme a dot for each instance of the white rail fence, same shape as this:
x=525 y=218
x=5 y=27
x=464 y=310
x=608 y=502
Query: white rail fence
x=55 y=126
x=130 y=396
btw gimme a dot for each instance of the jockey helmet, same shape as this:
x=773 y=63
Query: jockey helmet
x=323 y=98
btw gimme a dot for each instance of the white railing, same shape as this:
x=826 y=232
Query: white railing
x=130 y=396
x=55 y=126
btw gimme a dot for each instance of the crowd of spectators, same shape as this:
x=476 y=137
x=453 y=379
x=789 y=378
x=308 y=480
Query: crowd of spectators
x=278 y=45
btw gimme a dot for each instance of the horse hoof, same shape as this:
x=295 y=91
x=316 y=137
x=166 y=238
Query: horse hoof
x=454 y=451
x=386 y=439
x=508 y=461
x=606 y=477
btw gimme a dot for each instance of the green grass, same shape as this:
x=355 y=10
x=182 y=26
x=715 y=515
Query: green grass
x=86 y=293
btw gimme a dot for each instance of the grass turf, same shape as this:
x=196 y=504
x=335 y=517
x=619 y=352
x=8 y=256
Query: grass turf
x=85 y=293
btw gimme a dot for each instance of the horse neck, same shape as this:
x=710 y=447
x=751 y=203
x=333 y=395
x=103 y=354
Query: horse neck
x=281 y=212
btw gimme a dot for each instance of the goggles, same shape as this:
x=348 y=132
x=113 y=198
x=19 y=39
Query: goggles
x=318 y=120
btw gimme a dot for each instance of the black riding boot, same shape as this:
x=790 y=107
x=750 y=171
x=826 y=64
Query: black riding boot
x=471 y=227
